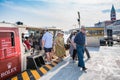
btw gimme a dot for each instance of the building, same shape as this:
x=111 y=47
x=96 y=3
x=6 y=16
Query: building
x=108 y=22
x=113 y=14
x=115 y=26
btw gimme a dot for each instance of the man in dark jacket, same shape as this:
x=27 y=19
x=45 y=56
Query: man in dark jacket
x=80 y=45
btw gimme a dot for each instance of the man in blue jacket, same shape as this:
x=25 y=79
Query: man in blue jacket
x=80 y=45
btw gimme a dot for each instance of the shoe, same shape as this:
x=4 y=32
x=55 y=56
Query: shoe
x=84 y=69
x=79 y=66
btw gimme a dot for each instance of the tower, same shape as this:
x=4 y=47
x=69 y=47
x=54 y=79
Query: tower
x=113 y=13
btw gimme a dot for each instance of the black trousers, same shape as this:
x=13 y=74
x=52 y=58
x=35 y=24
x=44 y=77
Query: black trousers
x=74 y=53
x=87 y=52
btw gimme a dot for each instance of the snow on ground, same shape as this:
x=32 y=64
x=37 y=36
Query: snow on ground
x=103 y=65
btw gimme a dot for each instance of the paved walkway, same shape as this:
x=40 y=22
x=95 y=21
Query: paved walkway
x=103 y=65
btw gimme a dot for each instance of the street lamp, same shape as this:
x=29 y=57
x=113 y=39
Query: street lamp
x=78 y=19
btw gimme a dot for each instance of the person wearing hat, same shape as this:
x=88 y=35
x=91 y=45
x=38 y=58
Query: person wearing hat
x=59 y=45
x=73 y=45
x=80 y=46
x=69 y=40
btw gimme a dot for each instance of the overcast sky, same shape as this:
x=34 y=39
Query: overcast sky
x=59 y=13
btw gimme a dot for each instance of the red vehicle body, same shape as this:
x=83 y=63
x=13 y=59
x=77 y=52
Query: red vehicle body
x=10 y=53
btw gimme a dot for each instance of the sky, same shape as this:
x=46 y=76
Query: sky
x=57 y=13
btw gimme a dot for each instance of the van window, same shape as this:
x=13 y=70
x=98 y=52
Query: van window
x=12 y=39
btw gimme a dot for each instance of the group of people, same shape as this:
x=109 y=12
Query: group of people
x=77 y=42
x=78 y=46
x=31 y=42
x=55 y=46
x=48 y=44
x=51 y=46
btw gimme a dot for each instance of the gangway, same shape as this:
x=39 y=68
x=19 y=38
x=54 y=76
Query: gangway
x=103 y=65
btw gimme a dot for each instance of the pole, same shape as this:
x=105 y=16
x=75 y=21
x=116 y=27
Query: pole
x=79 y=19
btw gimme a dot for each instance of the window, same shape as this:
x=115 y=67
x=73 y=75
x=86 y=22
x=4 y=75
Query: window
x=12 y=39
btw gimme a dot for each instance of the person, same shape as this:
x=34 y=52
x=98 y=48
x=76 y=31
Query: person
x=74 y=46
x=27 y=43
x=80 y=45
x=47 y=42
x=71 y=46
x=73 y=50
x=23 y=38
x=24 y=45
x=31 y=38
x=59 y=46
x=62 y=34
x=40 y=41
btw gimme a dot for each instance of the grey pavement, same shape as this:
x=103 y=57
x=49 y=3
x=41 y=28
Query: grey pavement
x=103 y=65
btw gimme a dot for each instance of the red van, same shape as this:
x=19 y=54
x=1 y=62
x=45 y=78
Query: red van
x=10 y=53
